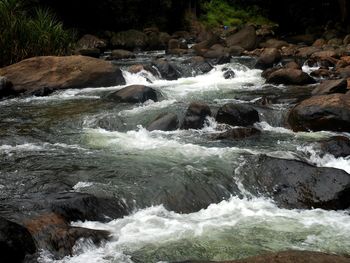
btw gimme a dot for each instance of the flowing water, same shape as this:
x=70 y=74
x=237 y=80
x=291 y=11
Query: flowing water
x=75 y=140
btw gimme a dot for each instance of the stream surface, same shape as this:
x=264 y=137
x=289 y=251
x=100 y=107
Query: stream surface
x=75 y=140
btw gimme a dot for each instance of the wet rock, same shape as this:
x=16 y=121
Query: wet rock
x=331 y=86
x=322 y=73
x=122 y=54
x=274 y=43
x=324 y=112
x=130 y=40
x=288 y=257
x=134 y=94
x=268 y=58
x=245 y=38
x=166 y=69
x=90 y=45
x=237 y=115
x=55 y=73
x=296 y=184
x=198 y=65
x=290 y=77
x=164 y=122
x=136 y=68
x=54 y=234
x=16 y=242
x=267 y=72
x=228 y=73
x=236 y=134
x=5 y=87
x=89 y=52
x=339 y=146
x=196 y=115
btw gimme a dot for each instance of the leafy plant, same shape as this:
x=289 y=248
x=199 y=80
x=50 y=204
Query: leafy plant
x=221 y=13
x=27 y=33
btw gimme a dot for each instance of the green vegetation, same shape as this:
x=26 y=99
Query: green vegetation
x=27 y=33
x=220 y=13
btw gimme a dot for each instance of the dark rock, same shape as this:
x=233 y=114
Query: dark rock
x=174 y=44
x=122 y=54
x=16 y=242
x=339 y=146
x=215 y=51
x=331 y=86
x=164 y=122
x=237 y=115
x=134 y=94
x=235 y=50
x=5 y=87
x=268 y=58
x=228 y=73
x=307 y=39
x=245 y=38
x=91 y=41
x=290 y=77
x=267 y=72
x=54 y=73
x=166 y=69
x=288 y=257
x=196 y=115
x=324 y=112
x=322 y=73
x=236 y=134
x=203 y=46
x=296 y=184
x=319 y=42
x=130 y=40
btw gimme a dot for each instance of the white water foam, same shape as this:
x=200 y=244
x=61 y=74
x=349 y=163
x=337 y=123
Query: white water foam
x=326 y=160
x=155 y=226
x=147 y=106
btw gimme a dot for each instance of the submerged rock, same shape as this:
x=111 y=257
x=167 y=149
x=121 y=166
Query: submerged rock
x=16 y=242
x=164 y=122
x=42 y=75
x=296 y=184
x=289 y=76
x=324 y=112
x=237 y=115
x=196 y=115
x=134 y=94
x=288 y=257
x=236 y=134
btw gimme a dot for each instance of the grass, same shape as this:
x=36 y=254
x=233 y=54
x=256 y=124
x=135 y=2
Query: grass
x=221 y=13
x=28 y=32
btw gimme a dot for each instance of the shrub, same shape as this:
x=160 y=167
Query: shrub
x=27 y=33
x=220 y=12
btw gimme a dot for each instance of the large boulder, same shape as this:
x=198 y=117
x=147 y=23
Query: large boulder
x=331 y=86
x=134 y=94
x=42 y=75
x=196 y=115
x=268 y=58
x=296 y=184
x=130 y=40
x=324 y=112
x=288 y=257
x=245 y=38
x=164 y=122
x=237 y=115
x=16 y=242
x=289 y=76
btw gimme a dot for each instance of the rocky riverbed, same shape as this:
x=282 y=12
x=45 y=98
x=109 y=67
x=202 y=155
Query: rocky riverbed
x=217 y=152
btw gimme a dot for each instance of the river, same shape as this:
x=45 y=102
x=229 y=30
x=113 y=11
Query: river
x=76 y=140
